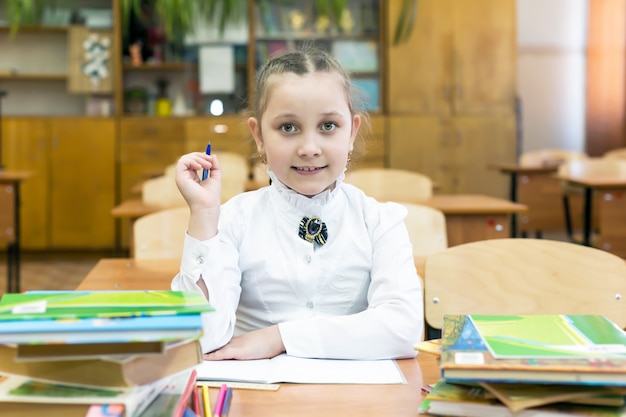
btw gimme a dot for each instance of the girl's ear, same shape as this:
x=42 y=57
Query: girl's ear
x=255 y=130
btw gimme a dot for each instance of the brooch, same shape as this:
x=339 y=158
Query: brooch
x=313 y=230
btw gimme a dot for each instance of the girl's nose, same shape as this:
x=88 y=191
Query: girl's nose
x=309 y=146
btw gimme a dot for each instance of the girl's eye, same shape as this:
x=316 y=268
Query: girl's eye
x=287 y=128
x=329 y=126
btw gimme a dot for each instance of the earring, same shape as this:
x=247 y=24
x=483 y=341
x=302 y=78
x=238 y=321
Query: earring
x=263 y=159
x=349 y=156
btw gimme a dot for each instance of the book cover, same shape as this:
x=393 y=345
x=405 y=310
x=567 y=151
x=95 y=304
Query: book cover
x=176 y=397
x=446 y=399
x=110 y=371
x=465 y=357
x=24 y=392
x=550 y=336
x=79 y=304
x=101 y=329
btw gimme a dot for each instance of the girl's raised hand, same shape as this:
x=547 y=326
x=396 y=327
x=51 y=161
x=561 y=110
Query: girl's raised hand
x=199 y=194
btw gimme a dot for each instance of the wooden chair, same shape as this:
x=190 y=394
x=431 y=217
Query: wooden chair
x=427 y=229
x=618 y=153
x=551 y=205
x=161 y=192
x=160 y=235
x=523 y=276
x=235 y=173
x=387 y=184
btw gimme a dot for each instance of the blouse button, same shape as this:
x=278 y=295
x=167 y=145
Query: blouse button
x=307 y=259
x=200 y=260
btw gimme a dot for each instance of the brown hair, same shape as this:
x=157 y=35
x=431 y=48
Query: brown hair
x=308 y=60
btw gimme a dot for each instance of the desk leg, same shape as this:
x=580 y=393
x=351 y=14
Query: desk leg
x=13 y=248
x=588 y=216
x=513 y=195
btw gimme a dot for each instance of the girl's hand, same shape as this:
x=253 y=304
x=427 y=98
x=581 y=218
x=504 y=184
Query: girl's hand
x=199 y=194
x=203 y=197
x=258 y=344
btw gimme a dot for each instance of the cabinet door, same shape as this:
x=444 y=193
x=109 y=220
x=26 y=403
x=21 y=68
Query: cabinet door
x=425 y=145
x=480 y=141
x=484 y=57
x=83 y=183
x=24 y=147
x=419 y=70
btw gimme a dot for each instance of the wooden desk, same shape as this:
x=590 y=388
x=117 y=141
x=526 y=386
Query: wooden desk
x=536 y=187
x=611 y=206
x=291 y=399
x=472 y=217
x=10 y=223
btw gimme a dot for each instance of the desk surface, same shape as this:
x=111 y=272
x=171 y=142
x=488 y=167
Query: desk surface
x=599 y=181
x=447 y=203
x=14 y=176
x=291 y=399
x=509 y=168
x=473 y=204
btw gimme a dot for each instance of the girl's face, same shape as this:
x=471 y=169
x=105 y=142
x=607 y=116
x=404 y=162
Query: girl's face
x=306 y=131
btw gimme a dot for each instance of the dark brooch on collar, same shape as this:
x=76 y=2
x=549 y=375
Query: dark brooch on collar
x=313 y=230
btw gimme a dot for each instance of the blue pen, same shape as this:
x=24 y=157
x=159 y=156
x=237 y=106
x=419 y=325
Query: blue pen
x=205 y=172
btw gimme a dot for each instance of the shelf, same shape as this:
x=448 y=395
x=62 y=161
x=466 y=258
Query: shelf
x=34 y=77
x=35 y=29
x=291 y=36
x=165 y=66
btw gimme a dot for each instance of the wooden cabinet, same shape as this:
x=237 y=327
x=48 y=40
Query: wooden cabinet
x=454 y=152
x=450 y=93
x=67 y=204
x=459 y=59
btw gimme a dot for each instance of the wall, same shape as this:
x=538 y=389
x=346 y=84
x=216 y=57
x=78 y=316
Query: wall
x=551 y=73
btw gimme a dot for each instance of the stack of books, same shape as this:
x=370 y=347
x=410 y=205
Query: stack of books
x=79 y=353
x=528 y=366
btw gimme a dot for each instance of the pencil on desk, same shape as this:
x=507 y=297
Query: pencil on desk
x=220 y=400
x=206 y=402
x=226 y=405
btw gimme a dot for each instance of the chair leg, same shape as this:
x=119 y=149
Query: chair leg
x=538 y=234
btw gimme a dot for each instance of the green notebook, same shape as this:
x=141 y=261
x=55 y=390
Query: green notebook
x=84 y=304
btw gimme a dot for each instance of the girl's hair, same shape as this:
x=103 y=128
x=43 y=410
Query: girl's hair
x=308 y=60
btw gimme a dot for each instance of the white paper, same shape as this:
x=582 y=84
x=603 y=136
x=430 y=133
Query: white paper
x=217 y=69
x=284 y=368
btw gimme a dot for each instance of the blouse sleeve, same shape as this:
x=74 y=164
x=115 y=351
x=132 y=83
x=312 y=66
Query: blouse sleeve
x=215 y=262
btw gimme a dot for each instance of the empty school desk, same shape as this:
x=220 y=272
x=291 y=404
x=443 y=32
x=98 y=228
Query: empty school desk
x=301 y=400
x=611 y=206
x=472 y=217
x=536 y=187
x=10 y=223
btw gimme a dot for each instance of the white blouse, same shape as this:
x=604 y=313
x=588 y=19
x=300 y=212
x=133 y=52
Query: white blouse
x=356 y=297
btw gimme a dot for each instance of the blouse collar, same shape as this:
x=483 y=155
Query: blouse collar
x=310 y=205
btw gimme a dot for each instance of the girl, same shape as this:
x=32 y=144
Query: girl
x=309 y=265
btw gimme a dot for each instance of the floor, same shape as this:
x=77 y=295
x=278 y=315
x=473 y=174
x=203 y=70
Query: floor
x=57 y=271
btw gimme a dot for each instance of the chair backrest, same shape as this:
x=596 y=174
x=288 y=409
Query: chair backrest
x=543 y=157
x=427 y=229
x=235 y=173
x=162 y=192
x=387 y=184
x=160 y=235
x=524 y=276
x=619 y=153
